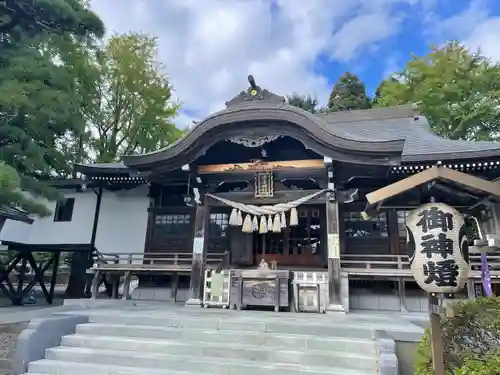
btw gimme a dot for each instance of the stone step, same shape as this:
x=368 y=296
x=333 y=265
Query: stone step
x=306 y=357
x=219 y=365
x=47 y=366
x=327 y=328
x=285 y=341
x=50 y=367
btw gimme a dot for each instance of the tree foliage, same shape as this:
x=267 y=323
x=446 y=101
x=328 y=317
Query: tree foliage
x=306 y=102
x=126 y=97
x=458 y=91
x=471 y=339
x=347 y=94
x=38 y=103
x=31 y=18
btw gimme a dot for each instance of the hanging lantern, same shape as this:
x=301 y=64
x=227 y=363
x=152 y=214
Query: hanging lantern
x=437 y=247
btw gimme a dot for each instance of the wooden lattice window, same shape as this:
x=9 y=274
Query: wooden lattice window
x=264 y=184
x=402 y=215
x=306 y=236
x=356 y=226
x=172 y=232
x=218 y=236
x=173 y=224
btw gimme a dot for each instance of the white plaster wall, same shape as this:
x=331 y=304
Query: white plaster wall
x=121 y=229
x=123 y=221
x=76 y=231
x=15 y=231
x=46 y=231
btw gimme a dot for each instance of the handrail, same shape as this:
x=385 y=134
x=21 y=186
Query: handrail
x=155 y=258
x=401 y=262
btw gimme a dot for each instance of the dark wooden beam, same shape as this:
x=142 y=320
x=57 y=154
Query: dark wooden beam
x=279 y=174
x=260 y=166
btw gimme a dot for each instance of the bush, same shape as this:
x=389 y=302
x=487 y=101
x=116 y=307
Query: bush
x=471 y=340
x=490 y=365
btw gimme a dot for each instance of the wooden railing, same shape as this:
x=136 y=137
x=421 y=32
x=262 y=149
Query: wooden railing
x=399 y=265
x=374 y=262
x=145 y=261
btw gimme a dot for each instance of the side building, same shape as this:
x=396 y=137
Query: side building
x=260 y=155
x=91 y=214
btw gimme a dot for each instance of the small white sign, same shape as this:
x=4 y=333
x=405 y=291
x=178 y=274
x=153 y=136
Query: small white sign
x=198 y=245
x=333 y=245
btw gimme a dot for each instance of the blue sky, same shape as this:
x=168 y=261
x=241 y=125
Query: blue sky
x=415 y=36
x=208 y=47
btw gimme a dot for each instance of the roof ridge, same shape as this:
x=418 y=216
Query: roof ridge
x=378 y=113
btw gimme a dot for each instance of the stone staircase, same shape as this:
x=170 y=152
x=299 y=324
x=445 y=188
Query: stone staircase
x=210 y=341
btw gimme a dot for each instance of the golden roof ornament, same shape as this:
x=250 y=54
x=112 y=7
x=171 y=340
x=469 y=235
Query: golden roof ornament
x=256 y=94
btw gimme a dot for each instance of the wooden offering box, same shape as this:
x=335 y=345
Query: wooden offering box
x=259 y=288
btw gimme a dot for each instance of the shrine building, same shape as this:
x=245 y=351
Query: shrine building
x=321 y=197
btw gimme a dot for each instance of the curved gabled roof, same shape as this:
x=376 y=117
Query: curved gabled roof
x=380 y=136
x=262 y=118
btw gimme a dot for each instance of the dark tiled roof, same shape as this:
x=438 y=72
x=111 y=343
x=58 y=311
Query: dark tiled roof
x=421 y=144
x=104 y=168
x=14 y=213
x=370 y=128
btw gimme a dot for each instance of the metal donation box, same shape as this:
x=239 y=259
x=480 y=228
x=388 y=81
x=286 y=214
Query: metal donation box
x=259 y=287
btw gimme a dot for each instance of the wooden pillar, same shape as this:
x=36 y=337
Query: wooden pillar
x=333 y=246
x=126 y=286
x=199 y=257
x=392 y=221
x=437 y=343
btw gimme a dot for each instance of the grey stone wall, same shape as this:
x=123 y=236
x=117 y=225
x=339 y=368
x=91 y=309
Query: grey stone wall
x=41 y=334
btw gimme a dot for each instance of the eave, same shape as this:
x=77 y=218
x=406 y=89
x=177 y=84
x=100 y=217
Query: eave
x=461 y=183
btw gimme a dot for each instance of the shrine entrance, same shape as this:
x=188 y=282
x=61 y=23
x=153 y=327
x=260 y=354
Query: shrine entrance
x=301 y=245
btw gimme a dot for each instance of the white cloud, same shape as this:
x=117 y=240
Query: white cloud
x=210 y=46
x=382 y=26
x=486 y=37
x=474 y=26
x=464 y=22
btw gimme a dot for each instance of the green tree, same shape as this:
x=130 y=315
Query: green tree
x=37 y=96
x=458 y=91
x=306 y=102
x=30 y=17
x=126 y=98
x=347 y=94
x=380 y=88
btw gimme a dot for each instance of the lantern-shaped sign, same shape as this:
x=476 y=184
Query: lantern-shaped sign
x=437 y=248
